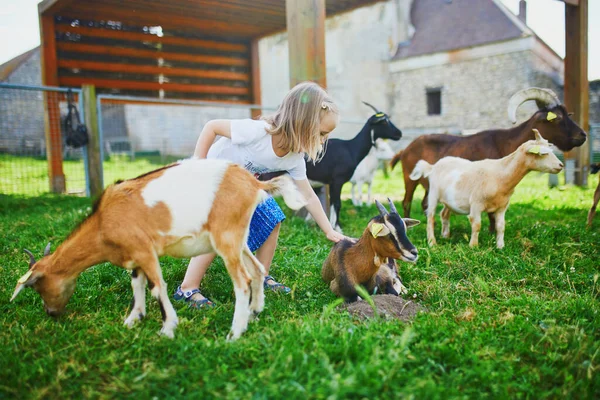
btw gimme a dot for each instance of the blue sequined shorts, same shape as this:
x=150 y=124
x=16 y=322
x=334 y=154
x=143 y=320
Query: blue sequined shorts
x=266 y=217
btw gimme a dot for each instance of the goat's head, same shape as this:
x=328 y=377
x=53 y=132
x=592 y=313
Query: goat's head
x=552 y=118
x=539 y=155
x=54 y=289
x=383 y=151
x=381 y=126
x=389 y=234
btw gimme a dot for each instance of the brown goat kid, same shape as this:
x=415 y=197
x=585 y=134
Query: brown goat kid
x=552 y=121
x=185 y=209
x=358 y=262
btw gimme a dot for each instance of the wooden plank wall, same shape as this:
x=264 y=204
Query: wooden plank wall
x=131 y=60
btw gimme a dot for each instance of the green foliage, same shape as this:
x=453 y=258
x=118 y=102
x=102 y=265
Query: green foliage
x=521 y=322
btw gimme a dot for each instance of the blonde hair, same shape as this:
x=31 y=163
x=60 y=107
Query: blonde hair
x=298 y=119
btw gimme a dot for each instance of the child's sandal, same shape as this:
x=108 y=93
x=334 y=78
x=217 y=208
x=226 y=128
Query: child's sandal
x=187 y=296
x=276 y=287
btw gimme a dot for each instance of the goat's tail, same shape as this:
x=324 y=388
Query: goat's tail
x=594 y=168
x=421 y=170
x=284 y=186
x=395 y=159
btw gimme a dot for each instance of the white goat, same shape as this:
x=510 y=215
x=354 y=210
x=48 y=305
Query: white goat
x=365 y=171
x=185 y=209
x=473 y=187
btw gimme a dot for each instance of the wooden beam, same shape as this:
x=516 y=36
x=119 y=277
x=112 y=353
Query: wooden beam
x=306 y=38
x=93 y=148
x=52 y=7
x=576 y=81
x=572 y=2
x=76 y=81
x=52 y=129
x=255 y=81
x=96 y=11
x=152 y=70
x=145 y=37
x=152 y=54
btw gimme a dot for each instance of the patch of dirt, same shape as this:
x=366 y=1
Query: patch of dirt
x=388 y=306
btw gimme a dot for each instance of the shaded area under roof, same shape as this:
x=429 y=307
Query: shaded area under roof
x=443 y=25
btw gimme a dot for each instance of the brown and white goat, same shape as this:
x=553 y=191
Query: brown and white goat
x=185 y=209
x=552 y=120
x=473 y=187
x=357 y=262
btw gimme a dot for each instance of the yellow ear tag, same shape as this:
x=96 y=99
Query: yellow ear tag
x=379 y=114
x=24 y=278
x=551 y=116
x=534 y=150
x=375 y=229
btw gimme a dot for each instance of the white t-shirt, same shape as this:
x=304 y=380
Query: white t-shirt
x=250 y=146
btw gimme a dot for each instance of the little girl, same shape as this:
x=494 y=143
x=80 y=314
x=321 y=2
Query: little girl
x=277 y=143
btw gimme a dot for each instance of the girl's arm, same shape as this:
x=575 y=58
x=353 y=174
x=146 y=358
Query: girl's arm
x=221 y=127
x=316 y=210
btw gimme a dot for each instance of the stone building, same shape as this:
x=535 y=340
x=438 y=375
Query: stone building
x=464 y=61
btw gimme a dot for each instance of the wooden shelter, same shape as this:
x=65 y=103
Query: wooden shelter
x=194 y=49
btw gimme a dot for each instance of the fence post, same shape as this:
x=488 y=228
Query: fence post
x=96 y=184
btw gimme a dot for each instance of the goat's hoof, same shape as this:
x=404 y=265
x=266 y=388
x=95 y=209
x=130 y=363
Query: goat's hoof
x=167 y=332
x=254 y=316
x=232 y=336
x=133 y=319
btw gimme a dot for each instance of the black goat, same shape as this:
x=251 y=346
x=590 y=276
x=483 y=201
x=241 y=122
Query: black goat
x=343 y=156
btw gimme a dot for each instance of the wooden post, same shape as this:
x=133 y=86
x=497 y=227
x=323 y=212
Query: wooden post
x=93 y=147
x=255 y=78
x=306 y=40
x=52 y=128
x=576 y=80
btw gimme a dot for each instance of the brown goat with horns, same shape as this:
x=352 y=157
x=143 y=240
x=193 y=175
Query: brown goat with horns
x=368 y=261
x=552 y=120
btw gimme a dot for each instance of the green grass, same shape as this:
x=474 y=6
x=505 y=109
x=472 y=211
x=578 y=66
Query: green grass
x=521 y=322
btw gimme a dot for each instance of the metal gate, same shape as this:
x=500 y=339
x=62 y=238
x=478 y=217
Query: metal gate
x=24 y=163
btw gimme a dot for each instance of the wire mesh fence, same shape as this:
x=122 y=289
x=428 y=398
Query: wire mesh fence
x=142 y=134
x=25 y=156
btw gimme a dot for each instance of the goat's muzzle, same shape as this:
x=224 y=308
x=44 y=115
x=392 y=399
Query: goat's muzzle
x=410 y=257
x=52 y=312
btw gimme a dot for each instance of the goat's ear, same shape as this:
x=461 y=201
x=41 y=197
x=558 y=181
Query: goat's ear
x=411 y=222
x=538 y=135
x=378 y=230
x=26 y=280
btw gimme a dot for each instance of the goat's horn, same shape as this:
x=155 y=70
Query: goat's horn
x=542 y=96
x=374 y=109
x=31 y=257
x=47 y=249
x=392 y=206
x=381 y=208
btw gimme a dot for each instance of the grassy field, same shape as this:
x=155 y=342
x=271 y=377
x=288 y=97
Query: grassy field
x=522 y=322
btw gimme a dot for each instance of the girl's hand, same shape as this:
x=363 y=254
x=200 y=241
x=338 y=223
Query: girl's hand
x=335 y=236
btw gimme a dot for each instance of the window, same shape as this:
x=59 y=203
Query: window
x=434 y=101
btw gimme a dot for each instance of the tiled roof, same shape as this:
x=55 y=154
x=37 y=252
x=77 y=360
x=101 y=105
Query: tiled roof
x=8 y=67
x=444 y=25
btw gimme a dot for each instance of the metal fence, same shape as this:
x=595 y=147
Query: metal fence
x=23 y=148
